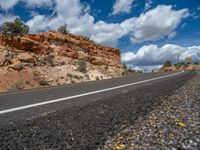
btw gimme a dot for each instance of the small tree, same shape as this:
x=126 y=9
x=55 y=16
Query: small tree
x=14 y=28
x=1 y=28
x=125 y=67
x=82 y=65
x=63 y=29
x=167 y=64
x=198 y=54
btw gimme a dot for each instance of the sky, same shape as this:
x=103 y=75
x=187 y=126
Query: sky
x=147 y=32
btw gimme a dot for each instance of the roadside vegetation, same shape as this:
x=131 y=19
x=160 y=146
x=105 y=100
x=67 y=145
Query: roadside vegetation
x=19 y=85
x=43 y=82
x=127 y=71
x=179 y=65
x=63 y=29
x=167 y=64
x=16 y=28
x=82 y=65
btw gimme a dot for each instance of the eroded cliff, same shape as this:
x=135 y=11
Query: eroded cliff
x=52 y=58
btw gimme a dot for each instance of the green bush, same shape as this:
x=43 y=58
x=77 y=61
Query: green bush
x=63 y=29
x=43 y=82
x=49 y=59
x=82 y=66
x=106 y=67
x=97 y=78
x=70 y=75
x=167 y=64
x=179 y=65
x=125 y=67
x=19 y=85
x=14 y=28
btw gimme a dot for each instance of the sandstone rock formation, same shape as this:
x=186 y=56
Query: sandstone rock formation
x=53 y=57
x=76 y=47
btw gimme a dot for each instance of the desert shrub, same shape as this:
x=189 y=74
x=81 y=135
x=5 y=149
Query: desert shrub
x=43 y=82
x=179 y=65
x=49 y=59
x=101 y=77
x=81 y=49
x=77 y=77
x=28 y=82
x=87 y=76
x=63 y=29
x=62 y=63
x=124 y=73
x=106 y=67
x=97 y=78
x=72 y=81
x=125 y=67
x=196 y=63
x=82 y=66
x=19 y=84
x=167 y=64
x=128 y=72
x=70 y=75
x=14 y=28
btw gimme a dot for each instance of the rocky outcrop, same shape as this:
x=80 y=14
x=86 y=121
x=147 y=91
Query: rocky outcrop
x=189 y=67
x=52 y=58
x=75 y=47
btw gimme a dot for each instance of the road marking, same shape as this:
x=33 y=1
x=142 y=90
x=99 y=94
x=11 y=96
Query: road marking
x=84 y=94
x=49 y=88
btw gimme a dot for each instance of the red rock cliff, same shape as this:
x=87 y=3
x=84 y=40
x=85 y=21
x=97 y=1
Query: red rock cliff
x=76 y=47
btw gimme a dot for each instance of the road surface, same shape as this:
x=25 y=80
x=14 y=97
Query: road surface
x=71 y=117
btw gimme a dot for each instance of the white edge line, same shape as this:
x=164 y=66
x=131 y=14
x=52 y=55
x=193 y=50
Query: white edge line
x=81 y=95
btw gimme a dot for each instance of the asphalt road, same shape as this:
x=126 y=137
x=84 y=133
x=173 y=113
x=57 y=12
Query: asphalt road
x=80 y=116
x=65 y=96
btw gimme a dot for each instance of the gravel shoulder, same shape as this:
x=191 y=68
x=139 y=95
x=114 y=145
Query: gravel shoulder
x=174 y=125
x=88 y=126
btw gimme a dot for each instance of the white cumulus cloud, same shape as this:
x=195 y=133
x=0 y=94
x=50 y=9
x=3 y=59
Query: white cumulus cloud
x=152 y=55
x=172 y=35
x=154 y=24
x=7 y=18
x=8 y=4
x=39 y=3
x=122 y=6
x=148 y=4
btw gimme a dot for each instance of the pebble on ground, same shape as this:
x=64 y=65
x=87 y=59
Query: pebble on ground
x=174 y=125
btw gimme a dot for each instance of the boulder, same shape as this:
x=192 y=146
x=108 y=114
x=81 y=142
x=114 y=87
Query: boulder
x=16 y=65
x=5 y=57
x=26 y=57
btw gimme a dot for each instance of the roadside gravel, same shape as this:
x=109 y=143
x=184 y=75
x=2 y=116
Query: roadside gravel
x=87 y=126
x=175 y=125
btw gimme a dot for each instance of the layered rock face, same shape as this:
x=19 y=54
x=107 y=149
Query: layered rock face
x=75 y=47
x=52 y=58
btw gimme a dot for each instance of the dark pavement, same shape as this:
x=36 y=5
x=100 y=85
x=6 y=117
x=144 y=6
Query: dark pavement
x=83 y=122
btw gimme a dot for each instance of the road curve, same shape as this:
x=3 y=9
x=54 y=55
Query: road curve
x=65 y=110
x=25 y=100
x=9 y=110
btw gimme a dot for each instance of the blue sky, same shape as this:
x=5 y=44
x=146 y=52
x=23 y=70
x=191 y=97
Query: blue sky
x=148 y=32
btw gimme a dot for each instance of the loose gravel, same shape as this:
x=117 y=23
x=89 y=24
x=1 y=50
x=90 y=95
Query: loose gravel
x=88 y=126
x=175 y=125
